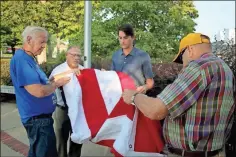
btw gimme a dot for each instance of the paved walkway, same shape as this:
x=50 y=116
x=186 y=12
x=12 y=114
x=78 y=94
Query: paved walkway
x=14 y=141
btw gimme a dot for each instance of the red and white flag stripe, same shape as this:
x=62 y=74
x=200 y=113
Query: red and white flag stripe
x=99 y=114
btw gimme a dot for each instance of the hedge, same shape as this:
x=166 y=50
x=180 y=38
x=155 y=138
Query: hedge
x=164 y=73
x=5 y=72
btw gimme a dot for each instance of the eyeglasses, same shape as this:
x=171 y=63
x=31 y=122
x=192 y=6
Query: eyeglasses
x=75 y=55
x=181 y=53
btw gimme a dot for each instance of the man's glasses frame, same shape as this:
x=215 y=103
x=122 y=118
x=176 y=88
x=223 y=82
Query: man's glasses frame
x=181 y=54
x=76 y=55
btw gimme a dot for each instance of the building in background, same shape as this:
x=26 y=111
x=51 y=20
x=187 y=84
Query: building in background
x=224 y=47
x=227 y=35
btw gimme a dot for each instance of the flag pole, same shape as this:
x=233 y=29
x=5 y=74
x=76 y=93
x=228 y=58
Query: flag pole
x=87 y=33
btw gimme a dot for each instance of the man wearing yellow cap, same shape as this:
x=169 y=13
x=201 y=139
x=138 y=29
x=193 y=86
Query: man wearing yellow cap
x=198 y=106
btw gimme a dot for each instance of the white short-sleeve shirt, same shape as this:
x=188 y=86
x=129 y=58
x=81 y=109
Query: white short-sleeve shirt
x=69 y=88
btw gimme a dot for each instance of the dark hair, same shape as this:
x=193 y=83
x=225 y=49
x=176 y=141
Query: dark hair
x=127 y=29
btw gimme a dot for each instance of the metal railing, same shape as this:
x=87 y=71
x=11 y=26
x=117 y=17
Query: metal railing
x=7 y=89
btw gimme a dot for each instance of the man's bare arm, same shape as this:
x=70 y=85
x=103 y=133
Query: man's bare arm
x=153 y=108
x=149 y=83
x=39 y=90
x=64 y=74
x=143 y=89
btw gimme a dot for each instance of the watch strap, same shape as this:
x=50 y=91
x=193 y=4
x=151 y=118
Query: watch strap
x=133 y=97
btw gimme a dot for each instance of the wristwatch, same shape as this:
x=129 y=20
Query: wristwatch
x=133 y=97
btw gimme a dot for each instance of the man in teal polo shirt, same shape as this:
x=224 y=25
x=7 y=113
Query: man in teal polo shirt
x=133 y=61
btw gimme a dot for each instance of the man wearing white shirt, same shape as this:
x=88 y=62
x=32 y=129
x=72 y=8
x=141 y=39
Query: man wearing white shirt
x=62 y=125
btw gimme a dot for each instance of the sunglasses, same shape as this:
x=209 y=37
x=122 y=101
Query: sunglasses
x=181 y=54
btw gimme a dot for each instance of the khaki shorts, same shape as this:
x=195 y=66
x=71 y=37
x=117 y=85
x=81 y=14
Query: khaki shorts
x=91 y=149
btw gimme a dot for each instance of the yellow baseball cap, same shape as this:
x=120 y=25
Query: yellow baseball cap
x=190 y=39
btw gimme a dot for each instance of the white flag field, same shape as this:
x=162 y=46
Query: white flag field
x=98 y=114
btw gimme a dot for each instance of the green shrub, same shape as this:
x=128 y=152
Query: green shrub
x=165 y=74
x=6 y=80
x=101 y=63
x=5 y=72
x=47 y=67
x=61 y=57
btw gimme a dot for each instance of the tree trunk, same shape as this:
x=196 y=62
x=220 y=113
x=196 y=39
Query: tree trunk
x=13 y=49
x=49 y=48
x=58 y=44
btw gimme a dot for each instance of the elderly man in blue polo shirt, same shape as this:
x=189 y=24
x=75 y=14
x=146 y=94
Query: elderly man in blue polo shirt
x=34 y=93
x=132 y=60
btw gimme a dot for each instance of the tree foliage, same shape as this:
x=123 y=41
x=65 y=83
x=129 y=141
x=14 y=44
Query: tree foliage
x=158 y=25
x=61 y=18
x=225 y=49
x=17 y=14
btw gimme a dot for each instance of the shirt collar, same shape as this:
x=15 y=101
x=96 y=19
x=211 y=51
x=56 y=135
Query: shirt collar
x=132 y=53
x=205 y=55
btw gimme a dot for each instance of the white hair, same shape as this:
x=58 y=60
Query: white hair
x=32 y=31
x=73 y=47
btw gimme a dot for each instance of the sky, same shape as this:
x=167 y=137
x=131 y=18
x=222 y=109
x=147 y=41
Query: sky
x=214 y=16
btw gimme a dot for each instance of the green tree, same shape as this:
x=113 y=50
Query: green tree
x=18 y=14
x=8 y=38
x=159 y=25
x=225 y=49
x=61 y=18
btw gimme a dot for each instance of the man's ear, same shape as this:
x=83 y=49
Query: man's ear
x=28 y=39
x=134 y=41
x=190 y=50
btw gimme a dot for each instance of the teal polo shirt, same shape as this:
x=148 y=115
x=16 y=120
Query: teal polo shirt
x=136 y=64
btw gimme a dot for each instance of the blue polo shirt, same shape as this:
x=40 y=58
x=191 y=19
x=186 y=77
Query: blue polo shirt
x=136 y=64
x=25 y=71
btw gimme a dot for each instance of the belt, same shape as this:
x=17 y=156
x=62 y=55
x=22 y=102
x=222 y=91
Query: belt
x=41 y=116
x=62 y=107
x=185 y=153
